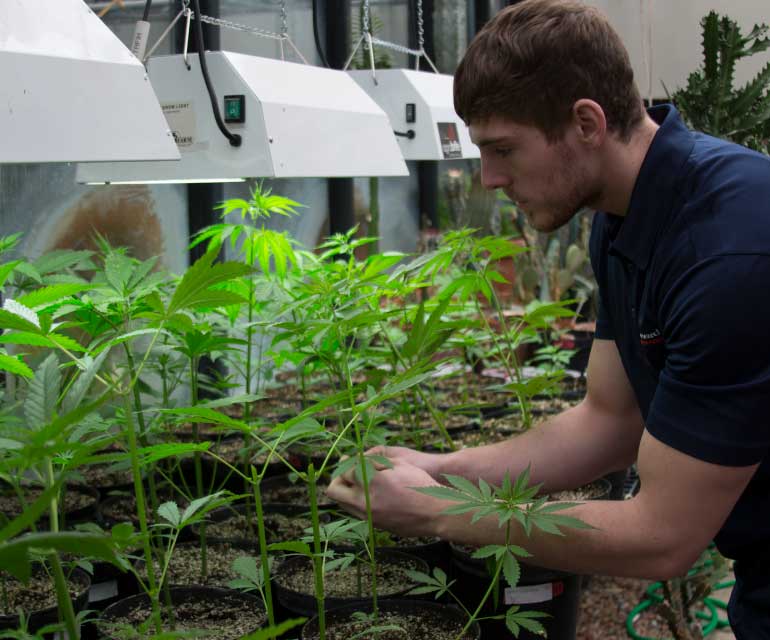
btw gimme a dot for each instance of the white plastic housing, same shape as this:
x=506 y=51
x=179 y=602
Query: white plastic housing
x=71 y=90
x=300 y=121
x=439 y=133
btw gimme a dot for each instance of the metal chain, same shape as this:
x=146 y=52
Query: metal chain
x=284 y=19
x=366 y=17
x=396 y=47
x=420 y=27
x=241 y=27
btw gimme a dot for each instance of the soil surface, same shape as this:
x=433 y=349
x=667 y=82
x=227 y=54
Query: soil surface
x=426 y=625
x=391 y=578
x=279 y=527
x=12 y=508
x=607 y=601
x=39 y=593
x=221 y=618
x=185 y=567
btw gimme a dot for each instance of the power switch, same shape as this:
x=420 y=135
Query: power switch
x=235 y=108
x=411 y=112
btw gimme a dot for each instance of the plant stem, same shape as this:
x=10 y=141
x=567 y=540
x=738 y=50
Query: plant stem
x=439 y=420
x=142 y=514
x=318 y=570
x=66 y=611
x=197 y=463
x=256 y=481
x=490 y=588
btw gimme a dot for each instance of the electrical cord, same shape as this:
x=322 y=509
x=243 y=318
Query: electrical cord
x=234 y=138
x=317 y=37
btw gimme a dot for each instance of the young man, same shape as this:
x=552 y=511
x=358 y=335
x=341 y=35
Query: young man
x=679 y=373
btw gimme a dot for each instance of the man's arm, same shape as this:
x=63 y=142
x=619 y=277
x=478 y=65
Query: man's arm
x=658 y=534
x=599 y=435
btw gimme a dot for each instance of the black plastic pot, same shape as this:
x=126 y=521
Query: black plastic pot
x=304 y=604
x=40 y=618
x=435 y=612
x=119 y=611
x=553 y=592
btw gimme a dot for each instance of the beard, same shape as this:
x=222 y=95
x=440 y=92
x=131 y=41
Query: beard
x=569 y=192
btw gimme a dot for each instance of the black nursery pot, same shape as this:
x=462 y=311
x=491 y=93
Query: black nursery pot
x=217 y=603
x=40 y=618
x=304 y=604
x=435 y=616
x=553 y=592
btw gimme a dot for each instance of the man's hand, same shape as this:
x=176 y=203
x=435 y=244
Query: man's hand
x=396 y=506
x=431 y=463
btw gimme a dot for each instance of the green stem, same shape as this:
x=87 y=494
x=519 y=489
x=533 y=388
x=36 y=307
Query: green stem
x=490 y=588
x=512 y=367
x=372 y=547
x=198 y=469
x=66 y=610
x=142 y=514
x=256 y=481
x=438 y=419
x=318 y=569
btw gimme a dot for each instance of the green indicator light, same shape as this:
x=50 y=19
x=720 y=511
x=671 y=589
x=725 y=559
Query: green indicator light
x=235 y=108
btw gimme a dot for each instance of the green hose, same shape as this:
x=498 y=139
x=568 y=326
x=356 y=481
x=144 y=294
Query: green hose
x=711 y=615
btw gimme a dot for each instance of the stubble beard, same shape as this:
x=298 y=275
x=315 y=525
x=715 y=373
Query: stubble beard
x=578 y=194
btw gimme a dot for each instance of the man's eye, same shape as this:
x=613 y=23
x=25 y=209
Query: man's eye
x=502 y=152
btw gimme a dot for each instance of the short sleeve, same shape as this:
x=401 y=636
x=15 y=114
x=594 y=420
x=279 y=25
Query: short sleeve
x=604 y=329
x=713 y=395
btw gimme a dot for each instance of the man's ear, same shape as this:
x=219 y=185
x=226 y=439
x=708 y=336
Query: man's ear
x=589 y=122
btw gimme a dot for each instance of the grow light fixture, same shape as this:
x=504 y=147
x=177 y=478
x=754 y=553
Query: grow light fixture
x=294 y=120
x=72 y=91
x=421 y=110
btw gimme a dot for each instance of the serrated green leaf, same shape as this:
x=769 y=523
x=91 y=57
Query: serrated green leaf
x=79 y=388
x=488 y=551
x=169 y=511
x=246 y=566
x=15 y=554
x=43 y=393
x=51 y=293
x=15 y=366
x=291 y=547
x=465 y=486
x=10 y=320
x=511 y=570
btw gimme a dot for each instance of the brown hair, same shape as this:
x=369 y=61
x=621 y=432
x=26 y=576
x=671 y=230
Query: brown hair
x=534 y=60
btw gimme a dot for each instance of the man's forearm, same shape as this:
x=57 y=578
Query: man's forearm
x=623 y=541
x=570 y=449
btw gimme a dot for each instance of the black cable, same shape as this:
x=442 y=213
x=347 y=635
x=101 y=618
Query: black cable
x=317 y=37
x=146 y=14
x=234 y=138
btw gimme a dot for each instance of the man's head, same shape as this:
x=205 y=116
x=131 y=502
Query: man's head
x=542 y=86
x=534 y=60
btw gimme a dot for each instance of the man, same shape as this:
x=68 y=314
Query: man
x=679 y=373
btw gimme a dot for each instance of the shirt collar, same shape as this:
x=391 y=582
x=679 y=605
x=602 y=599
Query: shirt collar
x=655 y=188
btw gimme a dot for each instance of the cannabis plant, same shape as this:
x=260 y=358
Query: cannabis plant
x=711 y=103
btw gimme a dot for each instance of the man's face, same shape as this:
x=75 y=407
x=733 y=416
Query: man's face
x=548 y=181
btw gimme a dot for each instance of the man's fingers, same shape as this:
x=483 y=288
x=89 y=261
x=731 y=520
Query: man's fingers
x=348 y=495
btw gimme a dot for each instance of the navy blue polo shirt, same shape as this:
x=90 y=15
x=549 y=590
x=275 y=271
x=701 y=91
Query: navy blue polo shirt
x=684 y=286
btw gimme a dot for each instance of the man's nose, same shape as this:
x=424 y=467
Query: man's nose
x=492 y=178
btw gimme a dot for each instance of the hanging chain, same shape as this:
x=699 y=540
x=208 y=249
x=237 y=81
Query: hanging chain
x=219 y=22
x=420 y=28
x=284 y=20
x=367 y=37
x=366 y=17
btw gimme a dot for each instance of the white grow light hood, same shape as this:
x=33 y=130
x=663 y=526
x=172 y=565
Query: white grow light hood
x=439 y=133
x=299 y=121
x=71 y=90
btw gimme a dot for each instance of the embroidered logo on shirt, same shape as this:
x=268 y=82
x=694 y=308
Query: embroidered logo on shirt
x=653 y=337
